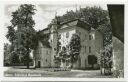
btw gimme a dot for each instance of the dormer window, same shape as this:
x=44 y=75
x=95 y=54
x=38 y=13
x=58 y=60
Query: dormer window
x=91 y=36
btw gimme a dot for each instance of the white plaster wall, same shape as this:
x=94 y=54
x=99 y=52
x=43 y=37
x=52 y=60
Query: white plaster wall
x=65 y=41
x=98 y=45
x=42 y=54
x=46 y=57
x=83 y=33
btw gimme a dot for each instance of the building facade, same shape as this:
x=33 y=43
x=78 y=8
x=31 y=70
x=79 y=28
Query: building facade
x=91 y=42
x=42 y=56
x=43 y=52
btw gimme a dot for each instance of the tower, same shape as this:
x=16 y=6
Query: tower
x=54 y=35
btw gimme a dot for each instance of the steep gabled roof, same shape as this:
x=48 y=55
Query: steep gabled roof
x=45 y=31
x=76 y=22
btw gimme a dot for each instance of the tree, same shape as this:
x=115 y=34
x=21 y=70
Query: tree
x=74 y=47
x=21 y=33
x=63 y=55
x=14 y=59
x=95 y=17
x=7 y=55
x=11 y=35
x=106 y=59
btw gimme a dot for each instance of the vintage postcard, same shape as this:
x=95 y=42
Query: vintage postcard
x=68 y=40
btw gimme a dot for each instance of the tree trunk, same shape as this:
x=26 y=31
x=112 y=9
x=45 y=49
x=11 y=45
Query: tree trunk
x=27 y=62
x=101 y=70
x=71 y=65
x=74 y=65
x=104 y=71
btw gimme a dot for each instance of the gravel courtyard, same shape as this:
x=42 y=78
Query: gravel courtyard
x=45 y=73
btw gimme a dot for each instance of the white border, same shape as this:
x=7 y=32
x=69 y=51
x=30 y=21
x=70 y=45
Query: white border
x=2 y=3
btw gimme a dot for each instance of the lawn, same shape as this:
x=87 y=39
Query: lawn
x=44 y=72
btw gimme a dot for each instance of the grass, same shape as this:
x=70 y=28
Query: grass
x=73 y=73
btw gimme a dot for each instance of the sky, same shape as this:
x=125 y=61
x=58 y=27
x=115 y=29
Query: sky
x=44 y=13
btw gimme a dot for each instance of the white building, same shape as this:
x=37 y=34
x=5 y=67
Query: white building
x=91 y=40
x=91 y=43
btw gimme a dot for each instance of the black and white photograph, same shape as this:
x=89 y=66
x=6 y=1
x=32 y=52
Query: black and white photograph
x=63 y=40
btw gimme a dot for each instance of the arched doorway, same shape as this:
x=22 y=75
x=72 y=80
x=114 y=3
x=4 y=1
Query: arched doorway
x=92 y=59
x=39 y=64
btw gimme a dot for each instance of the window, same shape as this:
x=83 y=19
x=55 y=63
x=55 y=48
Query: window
x=79 y=33
x=67 y=34
x=39 y=64
x=51 y=41
x=85 y=49
x=89 y=49
x=47 y=52
x=90 y=37
x=85 y=35
x=54 y=49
